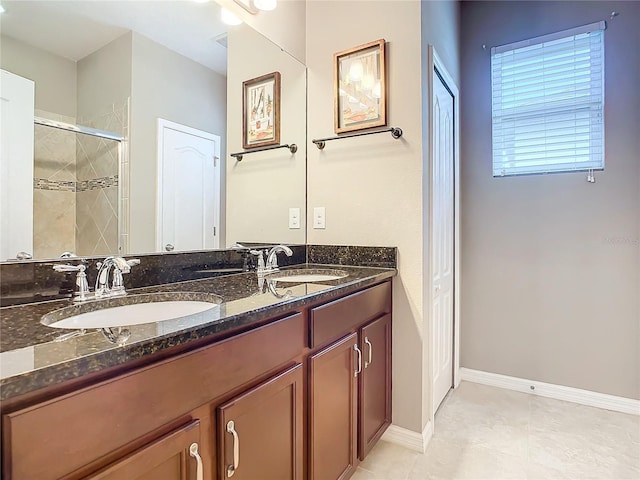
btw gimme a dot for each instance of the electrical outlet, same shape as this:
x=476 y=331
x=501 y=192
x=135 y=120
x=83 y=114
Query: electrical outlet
x=318 y=217
x=294 y=218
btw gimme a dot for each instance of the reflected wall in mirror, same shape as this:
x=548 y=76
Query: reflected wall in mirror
x=264 y=186
x=121 y=66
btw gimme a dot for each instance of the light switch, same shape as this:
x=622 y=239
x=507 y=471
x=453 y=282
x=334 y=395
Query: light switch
x=294 y=218
x=318 y=217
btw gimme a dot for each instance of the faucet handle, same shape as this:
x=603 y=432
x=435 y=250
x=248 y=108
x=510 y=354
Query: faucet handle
x=81 y=279
x=117 y=284
x=260 y=255
x=69 y=268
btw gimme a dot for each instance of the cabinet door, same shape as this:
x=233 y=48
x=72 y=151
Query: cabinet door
x=171 y=457
x=261 y=431
x=333 y=410
x=375 y=383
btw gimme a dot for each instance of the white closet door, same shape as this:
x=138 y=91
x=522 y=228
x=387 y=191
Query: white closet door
x=442 y=243
x=17 y=97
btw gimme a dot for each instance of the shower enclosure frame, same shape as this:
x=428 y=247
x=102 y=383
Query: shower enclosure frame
x=69 y=127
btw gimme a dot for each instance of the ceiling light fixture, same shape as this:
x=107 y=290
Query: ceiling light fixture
x=265 y=5
x=229 y=17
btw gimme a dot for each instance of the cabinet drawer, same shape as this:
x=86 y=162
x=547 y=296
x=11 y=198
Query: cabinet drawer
x=91 y=425
x=332 y=320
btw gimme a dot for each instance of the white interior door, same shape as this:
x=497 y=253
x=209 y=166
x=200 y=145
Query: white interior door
x=17 y=96
x=442 y=241
x=188 y=188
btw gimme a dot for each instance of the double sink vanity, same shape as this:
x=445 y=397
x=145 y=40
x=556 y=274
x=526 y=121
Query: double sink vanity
x=277 y=375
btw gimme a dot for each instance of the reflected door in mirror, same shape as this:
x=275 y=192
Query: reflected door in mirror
x=189 y=188
x=17 y=97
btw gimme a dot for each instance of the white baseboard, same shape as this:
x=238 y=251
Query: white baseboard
x=408 y=438
x=558 y=392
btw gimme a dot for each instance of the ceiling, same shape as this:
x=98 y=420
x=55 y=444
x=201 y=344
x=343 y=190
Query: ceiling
x=76 y=28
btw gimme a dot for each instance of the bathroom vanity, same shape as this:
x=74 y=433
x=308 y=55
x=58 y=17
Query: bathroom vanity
x=294 y=384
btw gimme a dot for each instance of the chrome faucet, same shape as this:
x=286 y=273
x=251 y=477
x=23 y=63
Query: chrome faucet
x=272 y=257
x=120 y=266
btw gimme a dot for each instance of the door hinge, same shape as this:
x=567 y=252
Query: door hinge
x=214 y=231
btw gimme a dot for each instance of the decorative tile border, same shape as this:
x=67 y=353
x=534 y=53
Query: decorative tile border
x=58 y=185
x=71 y=186
x=97 y=183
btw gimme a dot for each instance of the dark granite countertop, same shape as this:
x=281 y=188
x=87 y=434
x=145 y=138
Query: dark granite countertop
x=33 y=356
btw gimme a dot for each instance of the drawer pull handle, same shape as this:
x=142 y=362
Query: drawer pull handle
x=231 y=469
x=368 y=362
x=193 y=451
x=355 y=347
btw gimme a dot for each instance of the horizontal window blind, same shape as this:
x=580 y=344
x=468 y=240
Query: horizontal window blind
x=548 y=103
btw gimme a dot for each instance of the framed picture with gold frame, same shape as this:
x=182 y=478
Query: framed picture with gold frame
x=360 y=88
x=261 y=111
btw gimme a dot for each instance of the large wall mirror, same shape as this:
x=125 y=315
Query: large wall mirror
x=165 y=78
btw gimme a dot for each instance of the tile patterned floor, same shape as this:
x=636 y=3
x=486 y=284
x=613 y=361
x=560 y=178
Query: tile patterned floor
x=489 y=433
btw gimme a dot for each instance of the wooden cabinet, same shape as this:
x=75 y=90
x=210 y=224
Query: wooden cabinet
x=74 y=435
x=335 y=319
x=333 y=404
x=375 y=383
x=175 y=456
x=304 y=396
x=261 y=431
x=349 y=381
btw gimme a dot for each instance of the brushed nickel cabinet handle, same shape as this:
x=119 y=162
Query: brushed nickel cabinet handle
x=231 y=469
x=355 y=347
x=193 y=451
x=368 y=362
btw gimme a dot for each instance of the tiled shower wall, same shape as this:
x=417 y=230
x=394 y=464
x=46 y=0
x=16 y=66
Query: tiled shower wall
x=76 y=189
x=54 y=185
x=98 y=178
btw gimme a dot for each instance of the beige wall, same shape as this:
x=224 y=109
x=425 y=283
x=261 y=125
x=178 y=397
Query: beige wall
x=169 y=86
x=104 y=79
x=551 y=263
x=55 y=76
x=263 y=186
x=371 y=186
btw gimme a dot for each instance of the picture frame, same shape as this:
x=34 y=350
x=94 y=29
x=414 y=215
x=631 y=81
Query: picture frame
x=261 y=111
x=360 y=90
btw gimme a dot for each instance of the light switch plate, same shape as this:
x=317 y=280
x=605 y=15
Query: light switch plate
x=294 y=218
x=318 y=217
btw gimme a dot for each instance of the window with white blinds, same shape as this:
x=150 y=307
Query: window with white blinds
x=548 y=103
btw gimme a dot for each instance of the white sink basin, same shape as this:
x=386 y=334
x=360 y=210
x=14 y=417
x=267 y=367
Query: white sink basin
x=136 y=310
x=308 y=275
